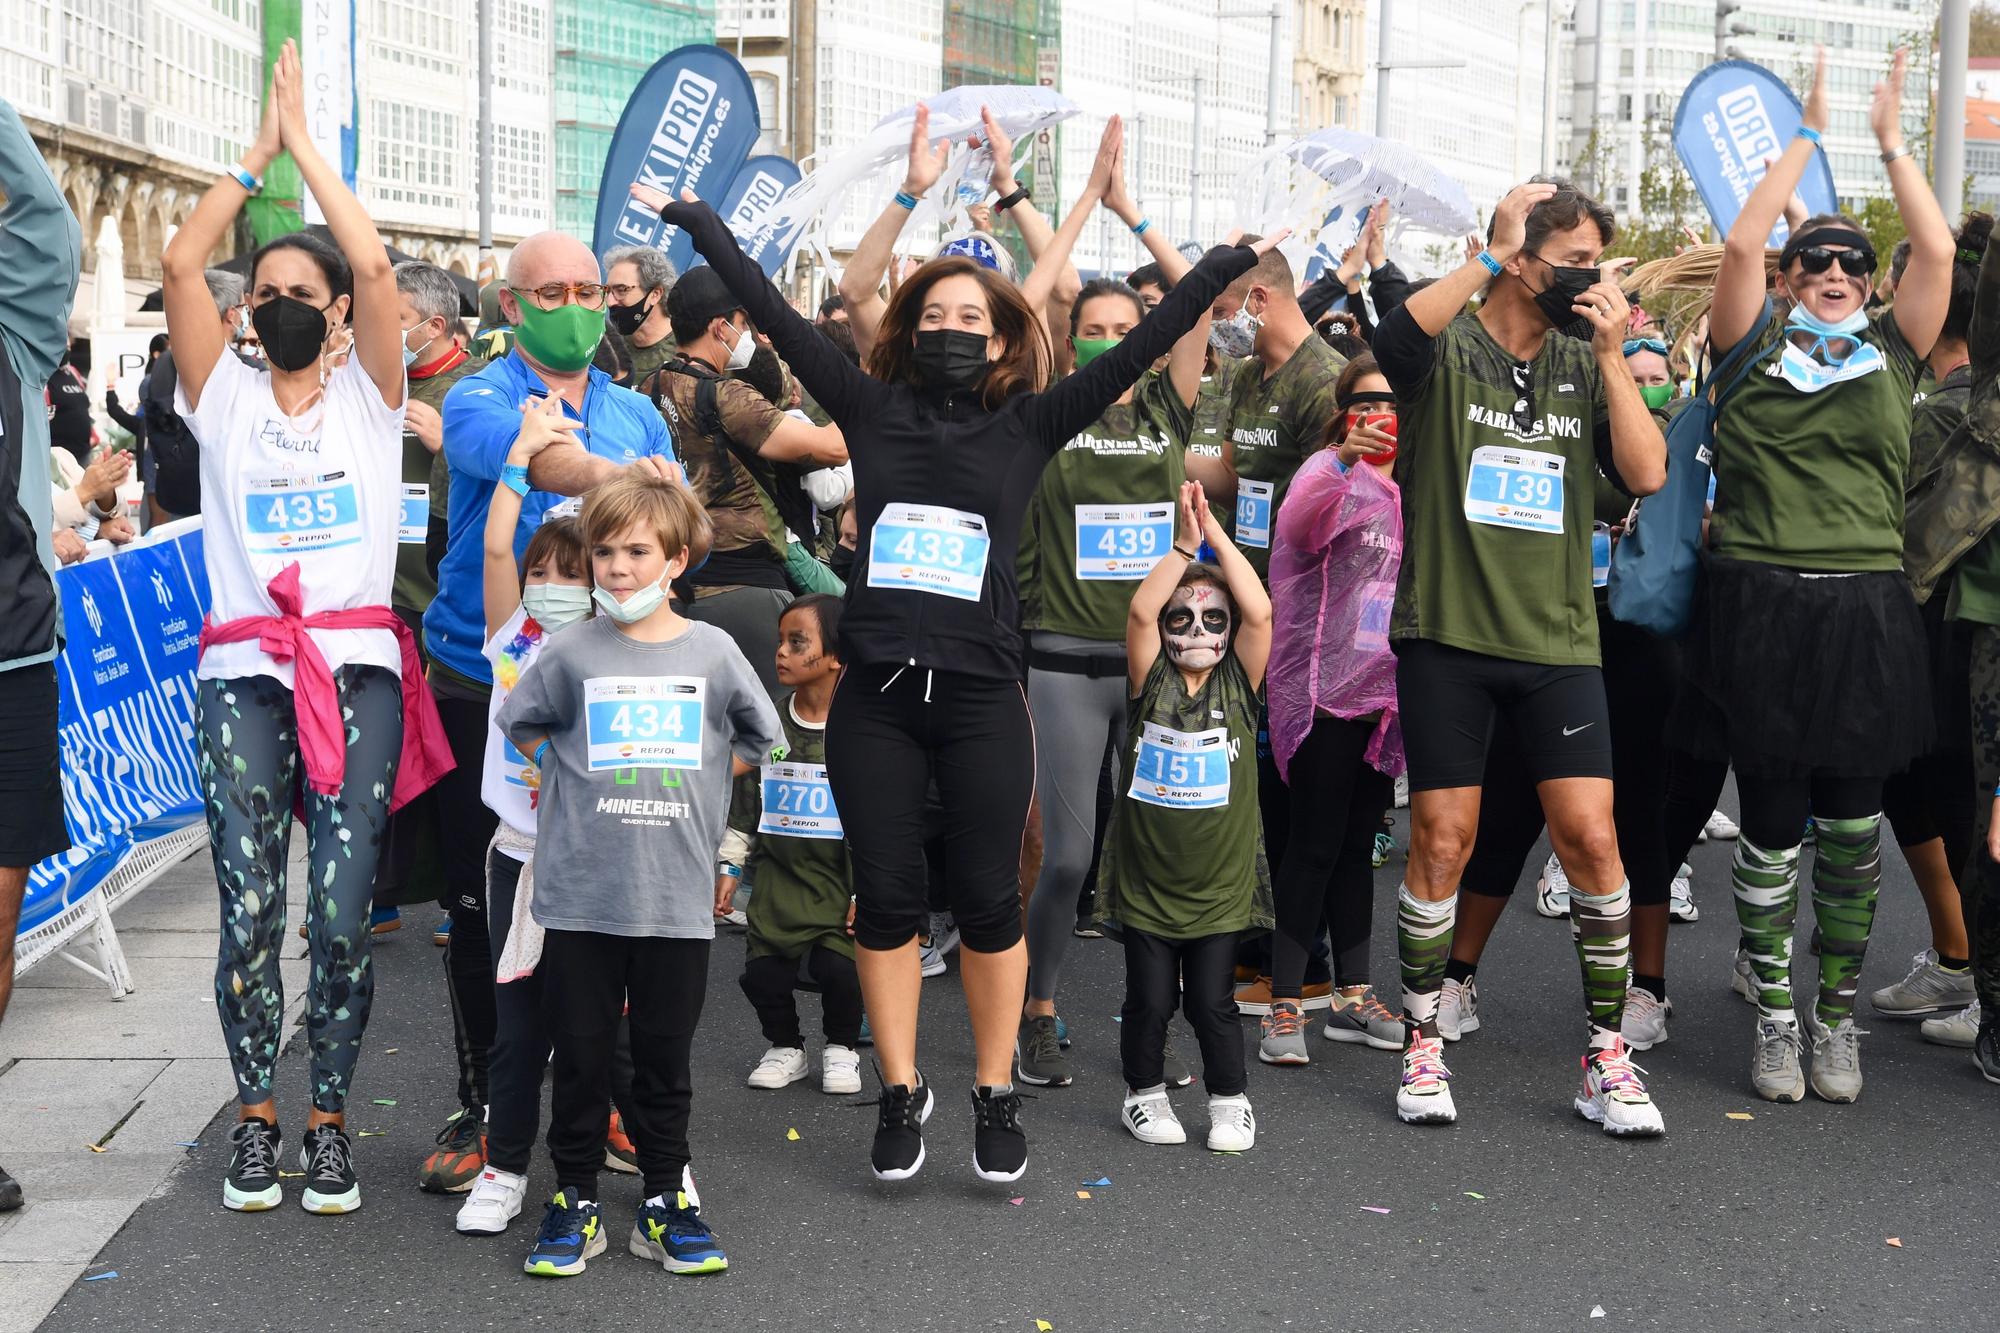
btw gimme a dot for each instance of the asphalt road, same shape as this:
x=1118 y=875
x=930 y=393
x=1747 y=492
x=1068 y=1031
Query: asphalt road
x=1520 y=1216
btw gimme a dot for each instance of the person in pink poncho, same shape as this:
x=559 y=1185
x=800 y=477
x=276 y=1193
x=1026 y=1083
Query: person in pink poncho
x=1332 y=700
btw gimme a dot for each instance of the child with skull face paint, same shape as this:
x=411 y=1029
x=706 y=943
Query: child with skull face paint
x=1184 y=868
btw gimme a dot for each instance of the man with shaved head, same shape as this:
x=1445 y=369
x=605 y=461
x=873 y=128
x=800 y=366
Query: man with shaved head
x=554 y=300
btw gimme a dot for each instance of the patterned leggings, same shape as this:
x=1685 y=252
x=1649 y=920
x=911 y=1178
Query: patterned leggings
x=250 y=771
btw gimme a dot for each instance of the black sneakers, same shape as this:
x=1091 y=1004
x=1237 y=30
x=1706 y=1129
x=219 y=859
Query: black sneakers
x=899 y=1134
x=1985 y=1047
x=10 y=1192
x=328 y=1160
x=999 y=1148
x=252 y=1183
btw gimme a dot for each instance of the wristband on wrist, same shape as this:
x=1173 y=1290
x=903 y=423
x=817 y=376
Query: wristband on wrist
x=734 y=872
x=1807 y=132
x=1140 y=227
x=241 y=175
x=1492 y=265
x=514 y=476
x=1183 y=552
x=906 y=199
x=541 y=750
x=1894 y=153
x=1005 y=202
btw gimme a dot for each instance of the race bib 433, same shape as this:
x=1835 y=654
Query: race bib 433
x=929 y=548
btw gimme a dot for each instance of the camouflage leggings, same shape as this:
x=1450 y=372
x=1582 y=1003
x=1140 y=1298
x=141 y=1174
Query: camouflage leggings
x=1981 y=878
x=249 y=772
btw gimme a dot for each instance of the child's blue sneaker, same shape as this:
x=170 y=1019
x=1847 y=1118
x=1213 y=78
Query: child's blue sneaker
x=674 y=1236
x=866 y=1038
x=441 y=936
x=382 y=920
x=571 y=1236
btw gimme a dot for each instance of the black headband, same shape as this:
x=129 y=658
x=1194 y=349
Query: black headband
x=1351 y=399
x=1824 y=236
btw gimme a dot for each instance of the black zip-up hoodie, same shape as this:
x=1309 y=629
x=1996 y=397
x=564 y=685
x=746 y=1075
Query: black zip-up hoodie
x=913 y=445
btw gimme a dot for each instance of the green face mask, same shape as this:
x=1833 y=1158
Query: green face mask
x=562 y=339
x=1089 y=349
x=1657 y=396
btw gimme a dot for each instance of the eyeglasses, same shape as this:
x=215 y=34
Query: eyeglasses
x=552 y=294
x=621 y=292
x=1854 y=263
x=1524 y=386
x=1634 y=346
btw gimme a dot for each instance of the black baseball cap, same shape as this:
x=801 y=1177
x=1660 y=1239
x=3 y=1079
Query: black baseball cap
x=700 y=295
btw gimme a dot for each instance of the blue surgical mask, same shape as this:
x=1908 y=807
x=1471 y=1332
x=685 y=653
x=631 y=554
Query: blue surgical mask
x=642 y=603
x=410 y=357
x=554 y=605
x=1810 y=363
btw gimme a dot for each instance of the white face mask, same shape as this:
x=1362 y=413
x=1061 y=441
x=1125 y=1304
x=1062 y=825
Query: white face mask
x=554 y=605
x=745 y=348
x=1195 y=626
x=641 y=603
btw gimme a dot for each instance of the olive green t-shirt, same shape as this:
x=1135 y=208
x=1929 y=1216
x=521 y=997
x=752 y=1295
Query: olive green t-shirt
x=1185 y=850
x=1938 y=410
x=1103 y=515
x=1273 y=424
x=1211 y=422
x=414 y=587
x=803 y=883
x=646 y=360
x=1497 y=505
x=1814 y=481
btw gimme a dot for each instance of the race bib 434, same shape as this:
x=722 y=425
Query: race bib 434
x=644 y=721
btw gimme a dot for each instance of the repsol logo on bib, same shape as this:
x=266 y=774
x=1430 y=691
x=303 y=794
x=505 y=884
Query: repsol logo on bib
x=1567 y=428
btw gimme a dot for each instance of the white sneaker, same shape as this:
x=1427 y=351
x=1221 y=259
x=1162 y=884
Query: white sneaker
x=1458 y=1008
x=1930 y=988
x=1232 y=1125
x=495 y=1201
x=1646 y=1018
x=1959 y=1029
x=734 y=918
x=1424 y=1095
x=1552 y=890
x=1150 y=1116
x=1613 y=1095
x=930 y=958
x=780 y=1067
x=1680 y=896
x=1721 y=826
x=839 y=1071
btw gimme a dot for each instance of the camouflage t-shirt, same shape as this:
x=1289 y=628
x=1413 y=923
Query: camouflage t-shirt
x=745 y=531
x=1211 y=422
x=1274 y=423
x=1939 y=410
x=803 y=879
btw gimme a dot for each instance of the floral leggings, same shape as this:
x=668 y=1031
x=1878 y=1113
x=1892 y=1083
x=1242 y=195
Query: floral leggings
x=250 y=772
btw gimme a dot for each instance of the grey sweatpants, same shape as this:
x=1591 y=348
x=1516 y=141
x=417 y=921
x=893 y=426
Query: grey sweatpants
x=1077 y=718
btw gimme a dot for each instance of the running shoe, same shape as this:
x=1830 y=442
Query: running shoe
x=780 y=1067
x=1836 y=1059
x=382 y=920
x=619 y=1154
x=840 y=1071
x=1986 y=1048
x=10 y=1192
x=571 y=1235
x=1150 y=1117
x=899 y=1131
x=1646 y=1016
x=1811 y=834
x=1960 y=1029
x=930 y=958
x=1232 y=1125
x=1930 y=988
x=1038 y=1057
x=735 y=918
x=1363 y=1019
x=1680 y=896
x=1552 y=890
x=327 y=1158
x=672 y=1234
x=999 y=1147
x=495 y=1201
x=1614 y=1096
x=1402 y=791
x=1282 y=1040
x=459 y=1157
x=1774 y=1062
x=1086 y=929
x=1720 y=827
x=1743 y=979
x=1313 y=995
x=944 y=932
x=1062 y=1032
x=1174 y=1070
x=1384 y=845
x=1424 y=1095
x=867 y=1038
x=441 y=933
x=1458 y=1008
x=1255 y=997
x=252 y=1183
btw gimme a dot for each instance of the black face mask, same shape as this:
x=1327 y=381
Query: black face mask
x=292 y=332
x=1557 y=299
x=951 y=358
x=626 y=319
x=79 y=357
x=841 y=562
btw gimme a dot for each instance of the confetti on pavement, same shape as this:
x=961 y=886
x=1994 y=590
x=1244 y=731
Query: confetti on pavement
x=1018 y=1200
x=1474 y=1194
x=1739 y=1115
x=1083 y=1194
x=1370 y=1208
x=102 y=1277
x=792 y=1135
x=1896 y=1241
x=385 y=1101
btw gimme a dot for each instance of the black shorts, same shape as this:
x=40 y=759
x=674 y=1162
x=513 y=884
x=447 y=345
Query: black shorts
x=1449 y=700
x=31 y=803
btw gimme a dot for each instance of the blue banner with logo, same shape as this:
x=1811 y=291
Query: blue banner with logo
x=690 y=124
x=132 y=625
x=1734 y=118
x=760 y=183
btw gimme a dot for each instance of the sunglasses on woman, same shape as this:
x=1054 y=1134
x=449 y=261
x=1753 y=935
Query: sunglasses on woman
x=1854 y=263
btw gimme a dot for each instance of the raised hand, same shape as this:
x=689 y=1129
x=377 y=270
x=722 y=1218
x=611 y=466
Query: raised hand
x=1510 y=220
x=1117 y=196
x=1378 y=222
x=926 y=162
x=1885 y=111
x=1002 y=148
x=1106 y=167
x=288 y=90
x=1267 y=244
x=1610 y=315
x=1814 y=116
x=1194 y=515
x=543 y=423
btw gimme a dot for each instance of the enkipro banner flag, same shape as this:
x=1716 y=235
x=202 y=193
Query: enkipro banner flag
x=760 y=183
x=690 y=124
x=1734 y=117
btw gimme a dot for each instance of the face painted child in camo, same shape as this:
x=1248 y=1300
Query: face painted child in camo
x=1196 y=625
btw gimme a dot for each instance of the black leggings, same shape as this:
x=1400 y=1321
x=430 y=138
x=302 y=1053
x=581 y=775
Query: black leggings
x=891 y=731
x=1775 y=810
x=1935 y=799
x=1328 y=872
x=1198 y=976
x=466 y=827
x=768 y=983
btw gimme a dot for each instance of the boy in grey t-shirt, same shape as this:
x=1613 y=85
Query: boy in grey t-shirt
x=637 y=721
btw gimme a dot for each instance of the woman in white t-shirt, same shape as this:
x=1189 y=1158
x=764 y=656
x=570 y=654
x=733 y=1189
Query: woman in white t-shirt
x=299 y=695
